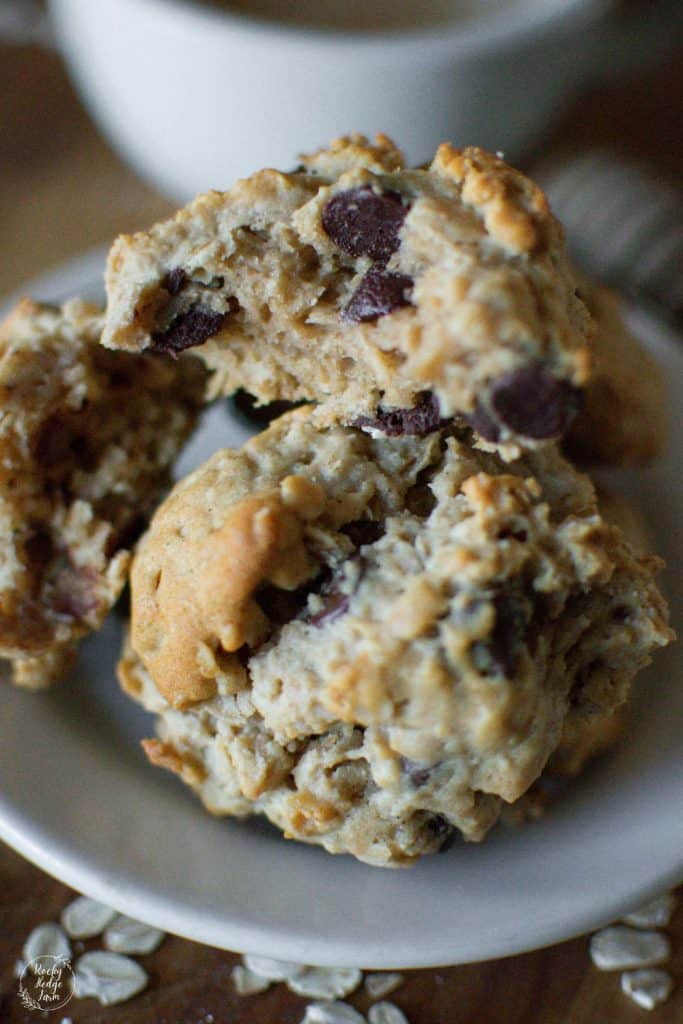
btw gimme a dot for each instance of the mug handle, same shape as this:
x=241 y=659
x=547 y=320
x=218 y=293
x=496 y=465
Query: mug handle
x=25 y=23
x=626 y=41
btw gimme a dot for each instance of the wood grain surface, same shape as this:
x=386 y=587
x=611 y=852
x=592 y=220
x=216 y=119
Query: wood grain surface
x=63 y=190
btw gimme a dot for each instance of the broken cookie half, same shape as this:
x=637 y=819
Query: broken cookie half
x=87 y=441
x=361 y=284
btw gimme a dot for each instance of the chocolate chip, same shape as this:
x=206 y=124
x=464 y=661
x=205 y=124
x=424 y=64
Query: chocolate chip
x=483 y=424
x=379 y=292
x=420 y=500
x=363 y=531
x=421 y=419
x=363 y=222
x=533 y=403
x=498 y=655
x=441 y=829
x=175 y=281
x=187 y=330
x=508 y=632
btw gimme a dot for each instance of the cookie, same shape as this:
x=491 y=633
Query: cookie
x=375 y=640
x=590 y=730
x=87 y=439
x=363 y=285
x=623 y=419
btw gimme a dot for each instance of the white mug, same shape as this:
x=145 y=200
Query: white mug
x=196 y=95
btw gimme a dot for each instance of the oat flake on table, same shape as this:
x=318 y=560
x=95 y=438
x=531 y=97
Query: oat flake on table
x=108 y=977
x=126 y=935
x=382 y=984
x=325 y=982
x=273 y=970
x=386 y=1013
x=47 y=940
x=618 y=948
x=332 y=1013
x=655 y=914
x=247 y=983
x=85 y=918
x=647 y=988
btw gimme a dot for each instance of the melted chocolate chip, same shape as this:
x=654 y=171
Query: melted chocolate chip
x=533 y=403
x=363 y=222
x=442 y=829
x=363 y=531
x=175 y=281
x=498 y=656
x=188 y=330
x=420 y=500
x=483 y=424
x=508 y=633
x=380 y=292
x=422 y=419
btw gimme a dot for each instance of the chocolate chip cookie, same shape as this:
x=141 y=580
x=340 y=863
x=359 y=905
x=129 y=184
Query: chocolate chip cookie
x=361 y=284
x=590 y=730
x=374 y=638
x=87 y=439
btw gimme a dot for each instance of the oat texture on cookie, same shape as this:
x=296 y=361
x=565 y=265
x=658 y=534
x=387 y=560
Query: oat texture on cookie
x=361 y=284
x=87 y=439
x=378 y=639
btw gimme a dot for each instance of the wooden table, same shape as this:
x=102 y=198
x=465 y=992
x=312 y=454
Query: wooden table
x=61 y=191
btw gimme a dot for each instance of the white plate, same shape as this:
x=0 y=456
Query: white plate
x=78 y=799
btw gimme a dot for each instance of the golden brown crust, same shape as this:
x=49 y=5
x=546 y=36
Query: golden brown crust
x=212 y=595
x=164 y=755
x=514 y=209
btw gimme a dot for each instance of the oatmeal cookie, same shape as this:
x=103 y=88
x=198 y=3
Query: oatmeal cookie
x=375 y=640
x=87 y=439
x=623 y=419
x=358 y=283
x=590 y=730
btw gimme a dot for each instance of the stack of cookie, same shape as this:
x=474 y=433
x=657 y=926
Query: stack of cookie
x=382 y=619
